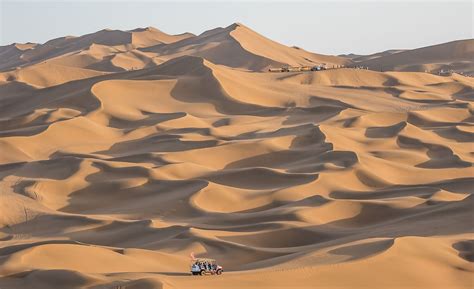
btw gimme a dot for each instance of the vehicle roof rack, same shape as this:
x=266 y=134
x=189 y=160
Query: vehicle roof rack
x=204 y=259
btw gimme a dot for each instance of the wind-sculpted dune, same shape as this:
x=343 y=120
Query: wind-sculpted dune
x=455 y=55
x=343 y=178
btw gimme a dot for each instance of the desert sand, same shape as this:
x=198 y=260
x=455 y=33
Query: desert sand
x=121 y=152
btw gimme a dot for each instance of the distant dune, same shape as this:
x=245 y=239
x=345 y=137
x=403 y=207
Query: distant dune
x=360 y=58
x=455 y=55
x=69 y=47
x=122 y=152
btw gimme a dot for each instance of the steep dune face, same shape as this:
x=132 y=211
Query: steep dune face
x=456 y=55
x=111 y=179
x=262 y=46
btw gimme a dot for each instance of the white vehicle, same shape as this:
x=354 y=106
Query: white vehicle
x=203 y=266
x=318 y=68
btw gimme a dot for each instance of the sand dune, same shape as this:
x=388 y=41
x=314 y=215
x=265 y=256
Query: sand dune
x=115 y=50
x=124 y=151
x=240 y=47
x=48 y=74
x=360 y=58
x=120 y=41
x=456 y=55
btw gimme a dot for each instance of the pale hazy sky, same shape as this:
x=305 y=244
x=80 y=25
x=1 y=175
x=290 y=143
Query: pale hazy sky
x=328 y=27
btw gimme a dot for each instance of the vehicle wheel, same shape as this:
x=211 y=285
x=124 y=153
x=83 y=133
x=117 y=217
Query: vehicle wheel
x=202 y=273
x=219 y=272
